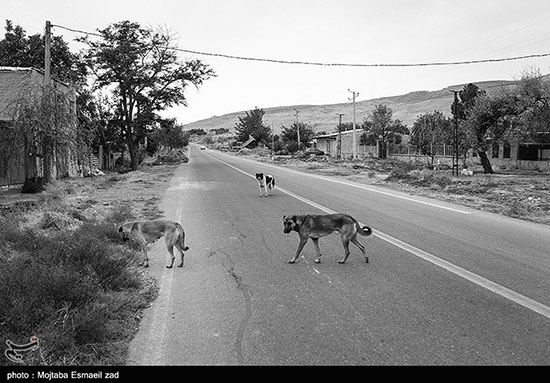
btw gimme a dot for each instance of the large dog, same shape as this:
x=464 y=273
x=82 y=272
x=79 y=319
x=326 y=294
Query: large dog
x=266 y=184
x=317 y=226
x=145 y=232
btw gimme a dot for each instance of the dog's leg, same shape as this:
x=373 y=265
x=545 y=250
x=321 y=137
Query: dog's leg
x=145 y=261
x=172 y=257
x=178 y=246
x=361 y=247
x=317 y=249
x=299 y=250
x=345 y=243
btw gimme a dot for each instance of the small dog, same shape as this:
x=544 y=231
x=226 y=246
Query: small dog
x=266 y=184
x=317 y=226
x=144 y=232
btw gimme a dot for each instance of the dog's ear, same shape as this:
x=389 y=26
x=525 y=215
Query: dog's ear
x=284 y=217
x=293 y=218
x=120 y=229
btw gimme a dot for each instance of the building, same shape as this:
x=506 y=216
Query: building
x=15 y=164
x=330 y=143
x=521 y=156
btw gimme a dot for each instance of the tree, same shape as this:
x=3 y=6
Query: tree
x=379 y=126
x=487 y=120
x=289 y=135
x=19 y=50
x=466 y=100
x=148 y=77
x=252 y=125
x=197 y=132
x=428 y=130
x=170 y=134
x=45 y=125
x=532 y=101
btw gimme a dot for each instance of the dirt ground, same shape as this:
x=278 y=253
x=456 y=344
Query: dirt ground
x=140 y=192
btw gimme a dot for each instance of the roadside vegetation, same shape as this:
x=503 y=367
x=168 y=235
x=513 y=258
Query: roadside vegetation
x=66 y=277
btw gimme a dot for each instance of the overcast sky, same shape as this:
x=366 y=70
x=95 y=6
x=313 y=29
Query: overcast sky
x=325 y=31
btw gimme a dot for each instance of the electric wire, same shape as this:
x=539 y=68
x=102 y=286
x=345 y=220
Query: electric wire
x=363 y=65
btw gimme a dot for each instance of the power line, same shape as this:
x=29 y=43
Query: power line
x=293 y=62
x=365 y=65
x=77 y=31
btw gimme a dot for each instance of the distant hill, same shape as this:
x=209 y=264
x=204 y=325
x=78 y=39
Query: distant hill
x=325 y=117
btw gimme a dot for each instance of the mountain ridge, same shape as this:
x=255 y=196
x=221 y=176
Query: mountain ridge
x=406 y=107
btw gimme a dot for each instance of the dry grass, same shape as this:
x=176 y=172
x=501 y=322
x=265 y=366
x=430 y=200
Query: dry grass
x=71 y=281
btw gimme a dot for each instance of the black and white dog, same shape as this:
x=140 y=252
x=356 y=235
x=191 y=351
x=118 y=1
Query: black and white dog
x=266 y=184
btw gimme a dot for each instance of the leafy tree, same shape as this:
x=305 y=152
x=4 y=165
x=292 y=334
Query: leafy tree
x=289 y=135
x=532 y=102
x=487 y=121
x=252 y=125
x=97 y=118
x=170 y=134
x=465 y=103
x=19 y=50
x=430 y=129
x=197 y=132
x=379 y=126
x=219 y=131
x=147 y=75
x=43 y=124
x=466 y=100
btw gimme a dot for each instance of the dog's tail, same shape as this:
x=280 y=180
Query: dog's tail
x=182 y=237
x=365 y=230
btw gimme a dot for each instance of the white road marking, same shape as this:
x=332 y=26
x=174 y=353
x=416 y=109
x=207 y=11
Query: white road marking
x=160 y=312
x=359 y=186
x=457 y=270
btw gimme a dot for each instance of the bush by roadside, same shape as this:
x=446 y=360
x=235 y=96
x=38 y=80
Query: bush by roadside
x=77 y=290
x=65 y=275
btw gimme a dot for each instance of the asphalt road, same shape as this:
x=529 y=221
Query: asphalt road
x=446 y=285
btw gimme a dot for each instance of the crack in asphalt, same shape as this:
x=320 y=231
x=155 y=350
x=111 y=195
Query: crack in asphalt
x=248 y=306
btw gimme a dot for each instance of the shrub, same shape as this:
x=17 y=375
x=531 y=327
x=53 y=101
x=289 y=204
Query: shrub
x=78 y=291
x=400 y=172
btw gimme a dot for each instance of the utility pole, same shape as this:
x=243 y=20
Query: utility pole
x=455 y=113
x=354 y=139
x=272 y=144
x=296 y=111
x=339 y=148
x=47 y=54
